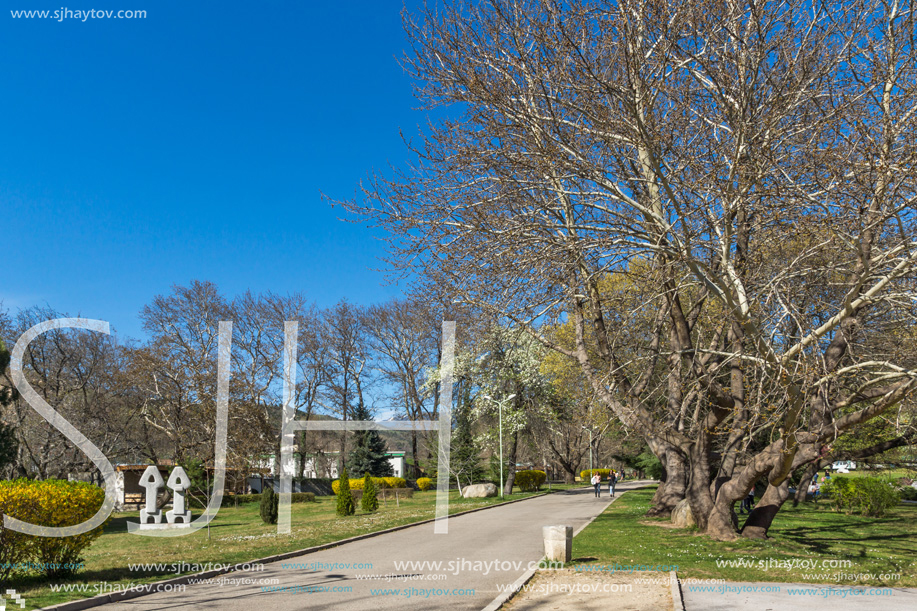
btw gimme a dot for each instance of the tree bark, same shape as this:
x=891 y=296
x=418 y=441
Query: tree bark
x=672 y=486
x=511 y=467
x=762 y=516
x=803 y=487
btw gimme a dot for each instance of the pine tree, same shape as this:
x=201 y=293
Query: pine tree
x=269 y=505
x=369 y=450
x=345 y=498
x=369 y=502
x=465 y=461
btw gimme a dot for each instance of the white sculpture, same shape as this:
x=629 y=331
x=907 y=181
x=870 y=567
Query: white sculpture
x=152 y=481
x=178 y=482
x=150 y=516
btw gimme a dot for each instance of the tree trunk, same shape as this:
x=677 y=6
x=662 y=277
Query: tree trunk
x=671 y=487
x=511 y=467
x=415 y=468
x=761 y=517
x=569 y=476
x=803 y=487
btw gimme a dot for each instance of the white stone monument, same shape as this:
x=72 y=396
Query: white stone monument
x=152 y=481
x=178 y=482
x=150 y=516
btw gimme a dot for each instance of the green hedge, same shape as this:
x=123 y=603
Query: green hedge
x=231 y=500
x=530 y=481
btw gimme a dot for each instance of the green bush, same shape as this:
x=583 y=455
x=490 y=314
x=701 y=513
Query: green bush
x=909 y=493
x=54 y=503
x=345 y=505
x=424 y=484
x=302 y=497
x=530 y=481
x=269 y=505
x=868 y=496
x=368 y=501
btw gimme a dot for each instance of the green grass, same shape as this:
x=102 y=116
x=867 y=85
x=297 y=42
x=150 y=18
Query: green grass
x=237 y=534
x=876 y=546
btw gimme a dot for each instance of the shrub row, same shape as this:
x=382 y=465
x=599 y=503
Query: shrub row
x=868 y=496
x=231 y=500
x=380 y=482
x=385 y=493
x=47 y=503
x=530 y=480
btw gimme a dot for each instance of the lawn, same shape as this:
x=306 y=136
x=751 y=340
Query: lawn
x=236 y=535
x=874 y=550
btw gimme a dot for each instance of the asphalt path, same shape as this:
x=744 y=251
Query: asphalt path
x=463 y=569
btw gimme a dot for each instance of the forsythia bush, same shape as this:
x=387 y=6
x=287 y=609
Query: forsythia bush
x=380 y=483
x=395 y=482
x=586 y=474
x=530 y=480
x=424 y=483
x=47 y=503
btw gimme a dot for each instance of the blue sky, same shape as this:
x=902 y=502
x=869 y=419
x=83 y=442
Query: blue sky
x=195 y=144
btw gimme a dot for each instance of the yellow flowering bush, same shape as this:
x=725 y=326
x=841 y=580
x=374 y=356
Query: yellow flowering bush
x=587 y=474
x=395 y=482
x=47 y=503
x=424 y=483
x=380 y=482
x=357 y=484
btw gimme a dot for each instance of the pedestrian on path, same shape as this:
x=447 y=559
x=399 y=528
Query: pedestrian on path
x=612 y=480
x=597 y=484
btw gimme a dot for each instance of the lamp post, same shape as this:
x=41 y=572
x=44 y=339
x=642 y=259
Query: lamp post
x=500 y=409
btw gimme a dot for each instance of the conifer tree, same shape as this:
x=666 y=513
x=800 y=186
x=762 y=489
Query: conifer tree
x=369 y=502
x=369 y=452
x=269 y=505
x=345 y=498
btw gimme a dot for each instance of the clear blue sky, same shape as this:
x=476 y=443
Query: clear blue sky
x=194 y=144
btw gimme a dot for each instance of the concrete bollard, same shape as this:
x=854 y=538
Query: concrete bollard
x=558 y=543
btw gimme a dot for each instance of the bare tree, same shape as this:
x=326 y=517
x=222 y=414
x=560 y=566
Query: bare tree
x=747 y=165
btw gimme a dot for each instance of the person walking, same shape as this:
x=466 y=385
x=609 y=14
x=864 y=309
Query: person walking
x=596 y=483
x=612 y=480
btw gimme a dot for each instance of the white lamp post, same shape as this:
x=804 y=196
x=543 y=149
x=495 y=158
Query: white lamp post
x=500 y=408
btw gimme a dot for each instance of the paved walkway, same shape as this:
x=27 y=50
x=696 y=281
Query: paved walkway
x=463 y=569
x=735 y=596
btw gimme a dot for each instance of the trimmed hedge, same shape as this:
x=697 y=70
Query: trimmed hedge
x=385 y=493
x=530 y=480
x=230 y=500
x=52 y=502
x=424 y=484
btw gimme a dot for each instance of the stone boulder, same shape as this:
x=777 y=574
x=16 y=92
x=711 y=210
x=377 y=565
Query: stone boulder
x=479 y=491
x=682 y=516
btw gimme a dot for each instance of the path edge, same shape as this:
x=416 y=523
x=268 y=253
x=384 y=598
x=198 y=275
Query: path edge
x=505 y=597
x=104 y=599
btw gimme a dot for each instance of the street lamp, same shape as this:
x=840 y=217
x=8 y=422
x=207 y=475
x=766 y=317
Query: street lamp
x=500 y=408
